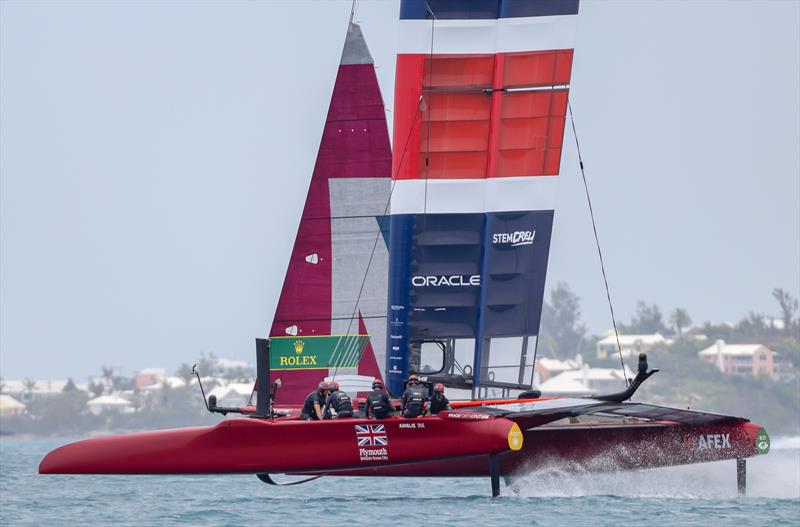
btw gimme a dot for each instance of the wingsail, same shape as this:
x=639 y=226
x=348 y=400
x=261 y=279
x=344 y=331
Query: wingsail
x=480 y=102
x=339 y=254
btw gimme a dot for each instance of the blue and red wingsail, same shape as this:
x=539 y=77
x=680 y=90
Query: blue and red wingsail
x=480 y=103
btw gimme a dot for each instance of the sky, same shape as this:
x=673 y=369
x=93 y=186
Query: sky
x=155 y=156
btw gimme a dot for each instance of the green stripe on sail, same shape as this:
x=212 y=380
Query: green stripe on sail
x=316 y=352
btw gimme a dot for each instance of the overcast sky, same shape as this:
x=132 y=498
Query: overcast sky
x=155 y=157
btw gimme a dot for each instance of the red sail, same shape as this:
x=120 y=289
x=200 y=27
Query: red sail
x=341 y=222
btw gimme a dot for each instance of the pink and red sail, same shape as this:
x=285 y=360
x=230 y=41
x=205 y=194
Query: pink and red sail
x=340 y=225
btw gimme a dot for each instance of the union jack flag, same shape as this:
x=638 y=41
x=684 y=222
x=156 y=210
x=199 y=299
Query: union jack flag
x=371 y=435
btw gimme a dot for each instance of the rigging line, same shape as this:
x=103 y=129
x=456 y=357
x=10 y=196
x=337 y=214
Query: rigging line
x=597 y=242
x=379 y=234
x=541 y=303
x=428 y=105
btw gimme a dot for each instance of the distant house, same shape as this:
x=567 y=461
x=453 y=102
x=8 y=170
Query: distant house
x=171 y=382
x=231 y=364
x=631 y=345
x=232 y=394
x=741 y=359
x=174 y=382
x=10 y=406
x=585 y=381
x=21 y=390
x=547 y=368
x=109 y=403
x=149 y=377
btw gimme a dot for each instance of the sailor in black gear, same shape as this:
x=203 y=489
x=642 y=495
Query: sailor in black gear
x=314 y=403
x=438 y=402
x=338 y=404
x=413 y=401
x=378 y=403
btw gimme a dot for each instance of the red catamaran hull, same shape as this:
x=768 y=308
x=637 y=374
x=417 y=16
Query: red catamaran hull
x=429 y=446
x=597 y=448
x=283 y=445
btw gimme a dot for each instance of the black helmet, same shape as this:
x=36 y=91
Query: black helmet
x=323 y=387
x=377 y=384
x=438 y=388
x=334 y=386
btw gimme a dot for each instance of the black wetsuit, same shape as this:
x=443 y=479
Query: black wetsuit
x=413 y=401
x=308 y=412
x=341 y=403
x=378 y=404
x=439 y=403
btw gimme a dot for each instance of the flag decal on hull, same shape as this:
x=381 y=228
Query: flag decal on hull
x=371 y=435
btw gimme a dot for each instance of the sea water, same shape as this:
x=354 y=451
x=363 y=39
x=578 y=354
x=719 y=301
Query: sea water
x=689 y=495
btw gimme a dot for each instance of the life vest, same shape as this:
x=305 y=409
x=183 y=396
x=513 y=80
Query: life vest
x=378 y=404
x=414 y=401
x=439 y=403
x=340 y=401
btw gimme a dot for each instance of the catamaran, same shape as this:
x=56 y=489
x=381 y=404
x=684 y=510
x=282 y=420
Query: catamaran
x=429 y=257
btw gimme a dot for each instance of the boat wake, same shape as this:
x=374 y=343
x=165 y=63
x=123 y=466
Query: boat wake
x=775 y=475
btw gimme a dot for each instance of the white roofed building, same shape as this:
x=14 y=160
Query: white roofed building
x=232 y=394
x=631 y=345
x=547 y=368
x=150 y=377
x=231 y=364
x=741 y=359
x=585 y=381
x=10 y=406
x=26 y=390
x=109 y=403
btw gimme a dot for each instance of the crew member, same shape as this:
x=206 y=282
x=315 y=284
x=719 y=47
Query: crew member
x=378 y=403
x=338 y=403
x=438 y=400
x=413 y=401
x=314 y=403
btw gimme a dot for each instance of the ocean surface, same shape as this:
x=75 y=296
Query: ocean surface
x=690 y=495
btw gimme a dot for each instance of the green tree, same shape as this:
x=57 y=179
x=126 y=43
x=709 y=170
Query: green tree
x=69 y=387
x=108 y=375
x=680 y=319
x=208 y=364
x=119 y=383
x=238 y=374
x=752 y=326
x=185 y=373
x=561 y=323
x=62 y=412
x=648 y=319
x=96 y=388
x=29 y=385
x=789 y=306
